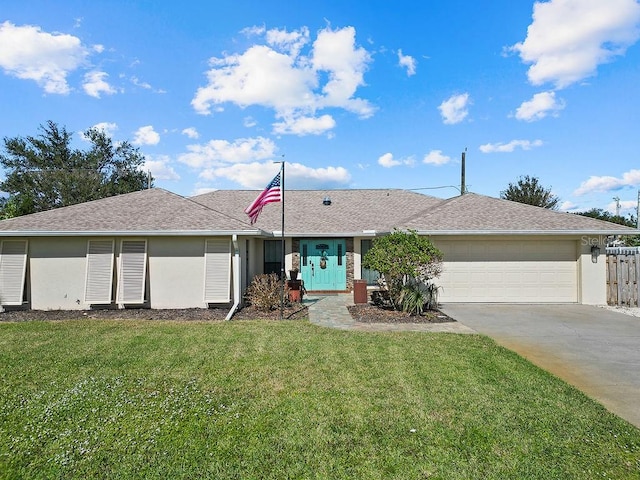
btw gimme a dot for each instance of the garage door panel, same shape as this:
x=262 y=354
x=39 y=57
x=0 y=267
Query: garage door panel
x=510 y=271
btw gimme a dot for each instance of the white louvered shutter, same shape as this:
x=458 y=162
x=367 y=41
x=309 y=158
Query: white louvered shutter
x=217 y=271
x=13 y=267
x=133 y=270
x=99 y=278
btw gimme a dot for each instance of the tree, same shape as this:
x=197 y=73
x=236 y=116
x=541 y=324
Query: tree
x=630 y=221
x=528 y=190
x=408 y=263
x=44 y=172
x=601 y=214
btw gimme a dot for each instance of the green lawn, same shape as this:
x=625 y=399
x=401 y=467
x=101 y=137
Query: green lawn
x=245 y=400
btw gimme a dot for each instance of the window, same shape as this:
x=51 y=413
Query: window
x=217 y=270
x=13 y=268
x=99 y=278
x=133 y=271
x=371 y=276
x=272 y=256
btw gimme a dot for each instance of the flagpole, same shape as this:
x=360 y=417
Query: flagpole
x=282 y=272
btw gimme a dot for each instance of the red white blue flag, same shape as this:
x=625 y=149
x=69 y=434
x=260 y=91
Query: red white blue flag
x=270 y=194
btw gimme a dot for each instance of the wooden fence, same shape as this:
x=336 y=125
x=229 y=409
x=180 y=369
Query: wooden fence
x=623 y=276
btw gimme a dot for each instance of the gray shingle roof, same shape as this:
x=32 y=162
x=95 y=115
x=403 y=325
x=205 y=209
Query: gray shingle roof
x=351 y=212
x=354 y=211
x=472 y=213
x=153 y=211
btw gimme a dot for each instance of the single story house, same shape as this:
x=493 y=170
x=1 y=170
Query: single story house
x=157 y=249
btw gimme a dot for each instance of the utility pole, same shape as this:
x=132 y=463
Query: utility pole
x=463 y=185
x=617 y=199
x=638 y=212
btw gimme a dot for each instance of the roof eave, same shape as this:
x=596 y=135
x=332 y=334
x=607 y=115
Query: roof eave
x=528 y=232
x=360 y=233
x=129 y=233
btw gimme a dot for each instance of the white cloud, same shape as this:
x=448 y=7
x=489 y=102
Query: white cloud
x=26 y=52
x=108 y=128
x=628 y=205
x=335 y=52
x=454 y=110
x=95 y=84
x=510 y=147
x=608 y=183
x=138 y=83
x=257 y=175
x=408 y=62
x=160 y=167
x=290 y=42
x=203 y=190
x=568 y=39
x=295 y=85
x=305 y=125
x=387 y=161
x=540 y=105
x=435 y=157
x=218 y=153
x=191 y=132
x=146 y=136
x=259 y=76
x=568 y=206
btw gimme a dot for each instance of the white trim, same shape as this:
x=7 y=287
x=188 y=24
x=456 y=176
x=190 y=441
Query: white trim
x=217 y=270
x=132 y=233
x=13 y=269
x=132 y=271
x=98 y=284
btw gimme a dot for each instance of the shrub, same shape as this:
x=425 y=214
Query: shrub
x=265 y=291
x=406 y=258
x=416 y=297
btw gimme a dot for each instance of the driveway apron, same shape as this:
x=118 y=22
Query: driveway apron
x=594 y=349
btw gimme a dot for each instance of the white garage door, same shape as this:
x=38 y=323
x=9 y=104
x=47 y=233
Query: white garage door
x=509 y=271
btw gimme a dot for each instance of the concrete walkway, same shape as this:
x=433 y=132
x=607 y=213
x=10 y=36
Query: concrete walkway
x=331 y=311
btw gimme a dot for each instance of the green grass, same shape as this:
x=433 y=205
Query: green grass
x=244 y=400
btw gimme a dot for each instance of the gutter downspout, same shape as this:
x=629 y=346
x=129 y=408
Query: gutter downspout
x=236 y=277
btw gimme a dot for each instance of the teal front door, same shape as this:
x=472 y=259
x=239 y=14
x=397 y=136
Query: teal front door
x=323 y=264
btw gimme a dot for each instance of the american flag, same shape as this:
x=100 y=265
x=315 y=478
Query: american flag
x=270 y=194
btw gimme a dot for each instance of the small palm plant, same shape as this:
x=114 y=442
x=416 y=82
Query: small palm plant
x=416 y=296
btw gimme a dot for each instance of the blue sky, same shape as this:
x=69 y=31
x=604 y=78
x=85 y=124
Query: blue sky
x=360 y=94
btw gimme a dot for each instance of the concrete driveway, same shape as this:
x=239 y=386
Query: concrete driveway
x=592 y=348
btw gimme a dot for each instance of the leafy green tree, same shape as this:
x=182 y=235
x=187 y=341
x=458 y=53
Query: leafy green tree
x=45 y=172
x=528 y=190
x=601 y=214
x=405 y=260
x=630 y=221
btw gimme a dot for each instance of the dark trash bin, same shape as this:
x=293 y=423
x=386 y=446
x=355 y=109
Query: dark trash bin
x=360 y=291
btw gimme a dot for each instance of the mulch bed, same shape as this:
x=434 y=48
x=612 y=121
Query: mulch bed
x=368 y=313
x=187 y=314
x=364 y=313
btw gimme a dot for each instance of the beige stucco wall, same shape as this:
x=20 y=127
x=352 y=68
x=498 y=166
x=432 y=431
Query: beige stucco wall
x=175 y=272
x=592 y=280
x=57 y=268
